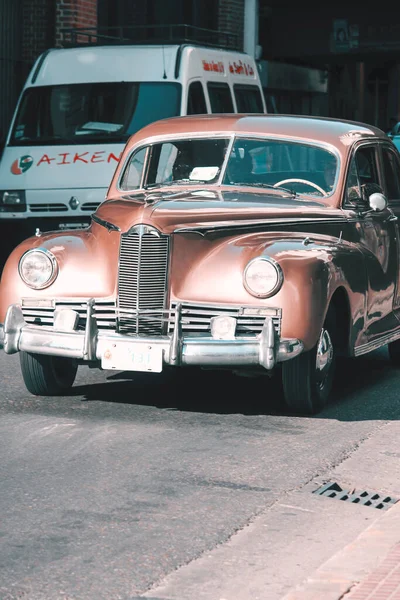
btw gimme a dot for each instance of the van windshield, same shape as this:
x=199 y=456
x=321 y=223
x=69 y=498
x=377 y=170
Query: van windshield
x=91 y=112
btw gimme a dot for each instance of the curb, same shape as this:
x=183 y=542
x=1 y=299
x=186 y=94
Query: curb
x=371 y=560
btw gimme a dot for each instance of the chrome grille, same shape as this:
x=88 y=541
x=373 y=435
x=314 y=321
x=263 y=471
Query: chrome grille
x=142 y=281
x=105 y=312
x=196 y=318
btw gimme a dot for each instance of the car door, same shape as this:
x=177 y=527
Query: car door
x=391 y=174
x=378 y=238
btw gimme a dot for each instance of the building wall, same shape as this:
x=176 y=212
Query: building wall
x=38 y=28
x=12 y=65
x=231 y=21
x=74 y=14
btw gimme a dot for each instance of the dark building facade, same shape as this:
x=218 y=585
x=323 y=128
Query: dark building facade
x=357 y=55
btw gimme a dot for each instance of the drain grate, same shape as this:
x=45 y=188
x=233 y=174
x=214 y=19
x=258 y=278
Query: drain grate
x=333 y=490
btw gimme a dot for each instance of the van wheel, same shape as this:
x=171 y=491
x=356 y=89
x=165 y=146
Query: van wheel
x=394 y=352
x=308 y=378
x=47 y=375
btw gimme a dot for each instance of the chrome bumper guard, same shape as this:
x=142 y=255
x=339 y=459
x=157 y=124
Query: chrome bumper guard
x=266 y=349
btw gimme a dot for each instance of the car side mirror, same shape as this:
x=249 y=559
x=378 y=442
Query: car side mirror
x=373 y=199
x=377 y=202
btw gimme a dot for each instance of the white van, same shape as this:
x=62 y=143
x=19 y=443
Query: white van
x=80 y=105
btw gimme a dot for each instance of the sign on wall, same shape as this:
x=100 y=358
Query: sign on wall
x=345 y=36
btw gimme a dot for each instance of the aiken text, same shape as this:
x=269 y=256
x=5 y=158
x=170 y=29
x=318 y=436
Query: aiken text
x=69 y=158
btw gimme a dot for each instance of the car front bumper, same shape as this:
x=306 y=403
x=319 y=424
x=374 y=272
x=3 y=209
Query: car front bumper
x=90 y=345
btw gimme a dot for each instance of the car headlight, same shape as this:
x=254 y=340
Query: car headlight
x=38 y=268
x=262 y=277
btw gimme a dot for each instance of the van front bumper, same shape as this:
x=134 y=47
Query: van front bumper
x=90 y=345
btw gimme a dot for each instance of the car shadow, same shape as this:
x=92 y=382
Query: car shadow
x=364 y=388
x=189 y=389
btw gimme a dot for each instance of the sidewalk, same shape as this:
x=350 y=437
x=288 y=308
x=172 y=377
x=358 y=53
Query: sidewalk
x=366 y=569
x=307 y=546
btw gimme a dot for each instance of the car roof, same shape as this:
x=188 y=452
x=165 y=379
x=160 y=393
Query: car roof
x=320 y=129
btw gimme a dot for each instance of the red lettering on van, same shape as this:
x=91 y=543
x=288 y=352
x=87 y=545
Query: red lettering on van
x=84 y=157
x=216 y=67
x=45 y=159
x=112 y=156
x=96 y=157
x=79 y=157
x=241 y=68
x=64 y=160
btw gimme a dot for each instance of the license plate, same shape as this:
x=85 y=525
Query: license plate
x=132 y=357
x=73 y=225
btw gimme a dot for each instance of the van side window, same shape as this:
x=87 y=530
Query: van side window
x=220 y=98
x=248 y=98
x=391 y=169
x=196 y=100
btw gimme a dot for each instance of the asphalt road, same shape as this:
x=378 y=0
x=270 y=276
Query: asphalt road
x=106 y=492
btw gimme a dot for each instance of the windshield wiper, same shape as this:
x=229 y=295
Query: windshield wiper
x=175 y=182
x=259 y=184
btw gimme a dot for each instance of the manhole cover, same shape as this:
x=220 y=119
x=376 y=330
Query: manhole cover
x=333 y=490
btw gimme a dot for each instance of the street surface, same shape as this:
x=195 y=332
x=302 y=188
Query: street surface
x=184 y=485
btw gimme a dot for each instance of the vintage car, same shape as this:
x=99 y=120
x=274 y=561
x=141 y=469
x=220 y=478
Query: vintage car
x=261 y=244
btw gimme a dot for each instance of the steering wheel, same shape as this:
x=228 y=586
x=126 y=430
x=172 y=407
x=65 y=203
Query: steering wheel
x=305 y=181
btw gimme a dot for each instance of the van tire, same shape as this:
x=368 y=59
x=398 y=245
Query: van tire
x=47 y=375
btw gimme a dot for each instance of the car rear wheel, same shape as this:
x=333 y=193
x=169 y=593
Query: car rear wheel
x=308 y=378
x=47 y=375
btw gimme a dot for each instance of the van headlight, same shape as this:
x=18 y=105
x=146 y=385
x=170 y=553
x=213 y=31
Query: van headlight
x=38 y=268
x=262 y=277
x=12 y=201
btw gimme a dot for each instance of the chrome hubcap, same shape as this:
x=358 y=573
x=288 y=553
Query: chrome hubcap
x=324 y=357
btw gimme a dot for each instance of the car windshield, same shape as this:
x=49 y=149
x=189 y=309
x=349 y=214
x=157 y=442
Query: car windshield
x=288 y=167
x=91 y=112
x=177 y=162
x=298 y=167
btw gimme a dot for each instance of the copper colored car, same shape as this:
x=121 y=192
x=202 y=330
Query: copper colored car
x=263 y=244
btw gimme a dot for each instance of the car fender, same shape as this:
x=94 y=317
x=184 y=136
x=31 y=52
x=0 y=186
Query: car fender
x=313 y=268
x=87 y=262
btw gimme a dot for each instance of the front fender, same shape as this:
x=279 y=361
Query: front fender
x=87 y=262
x=211 y=271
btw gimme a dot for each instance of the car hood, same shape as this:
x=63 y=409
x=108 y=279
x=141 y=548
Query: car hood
x=206 y=209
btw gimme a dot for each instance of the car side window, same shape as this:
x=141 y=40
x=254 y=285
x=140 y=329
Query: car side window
x=220 y=98
x=363 y=171
x=391 y=169
x=196 y=100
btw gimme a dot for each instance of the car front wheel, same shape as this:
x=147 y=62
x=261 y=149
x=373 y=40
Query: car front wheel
x=47 y=375
x=308 y=378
